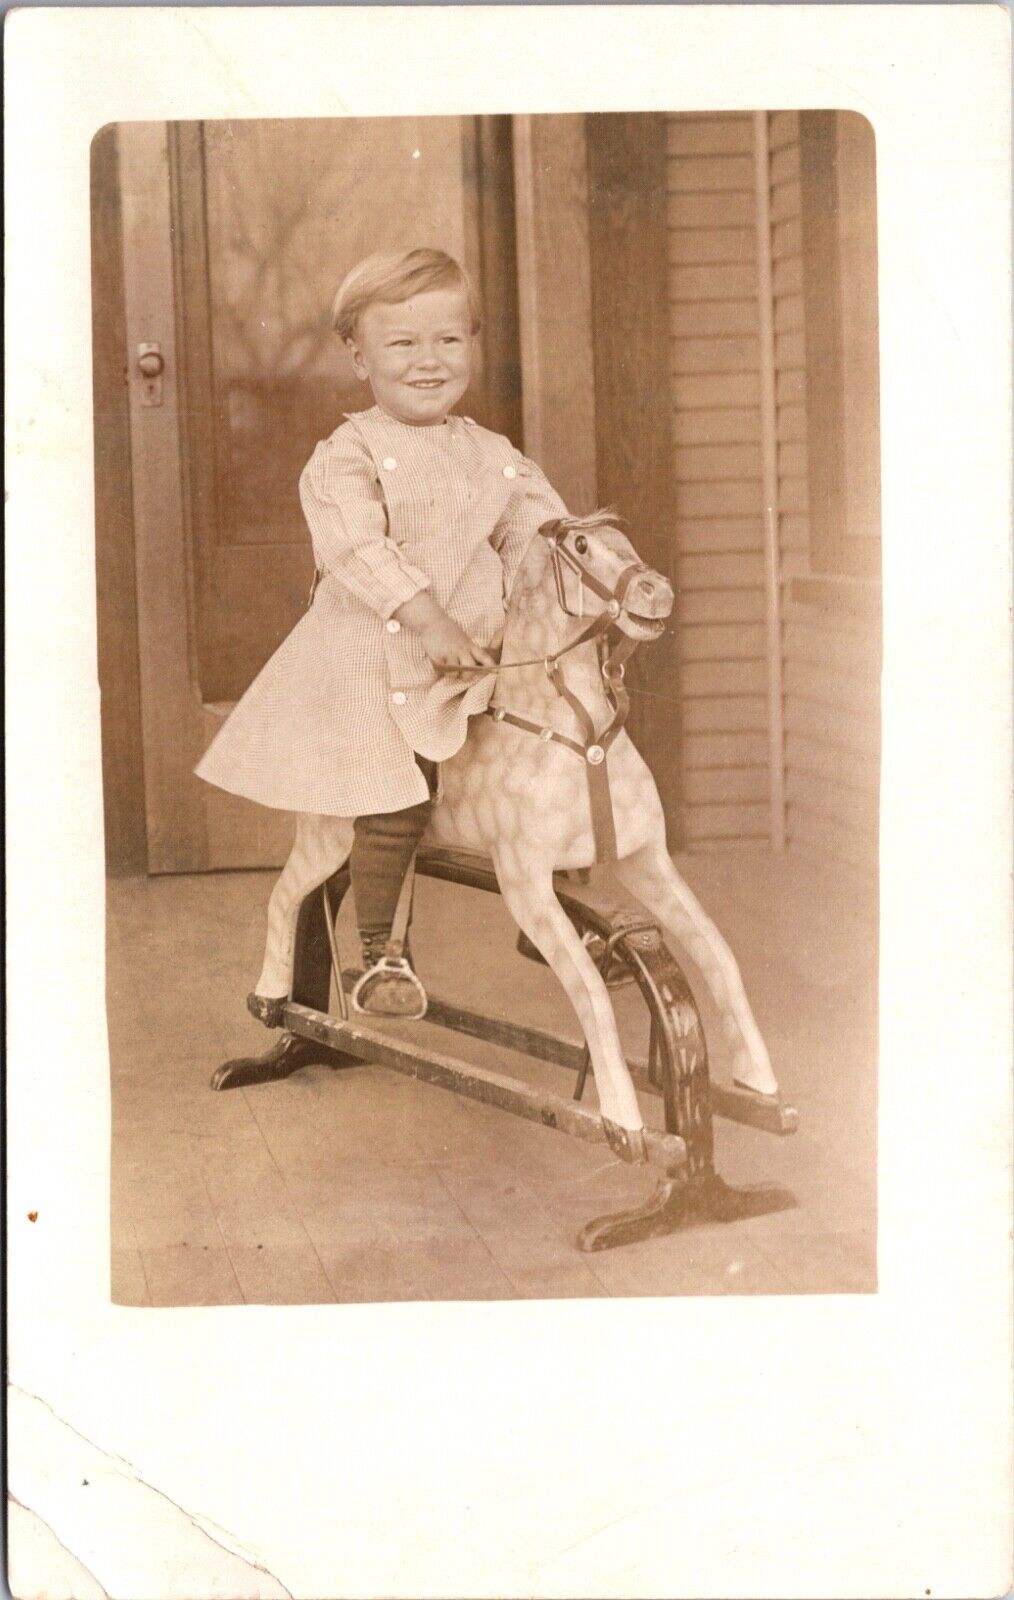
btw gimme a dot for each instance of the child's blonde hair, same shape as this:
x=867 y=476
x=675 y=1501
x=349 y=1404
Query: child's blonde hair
x=394 y=276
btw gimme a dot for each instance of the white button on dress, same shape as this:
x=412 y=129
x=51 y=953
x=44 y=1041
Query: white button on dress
x=389 y=463
x=393 y=626
x=399 y=697
x=510 y=472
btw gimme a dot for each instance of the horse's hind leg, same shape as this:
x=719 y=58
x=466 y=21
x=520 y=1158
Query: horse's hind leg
x=650 y=875
x=322 y=846
x=528 y=895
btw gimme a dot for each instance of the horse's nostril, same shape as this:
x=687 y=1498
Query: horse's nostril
x=650 y=588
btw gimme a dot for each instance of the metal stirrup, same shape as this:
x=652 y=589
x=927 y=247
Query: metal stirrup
x=393 y=962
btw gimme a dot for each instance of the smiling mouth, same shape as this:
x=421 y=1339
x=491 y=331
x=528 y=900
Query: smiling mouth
x=427 y=383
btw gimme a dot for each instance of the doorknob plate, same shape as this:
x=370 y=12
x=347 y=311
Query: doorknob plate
x=151 y=365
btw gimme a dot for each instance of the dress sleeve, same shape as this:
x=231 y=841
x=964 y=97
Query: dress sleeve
x=534 y=502
x=344 y=510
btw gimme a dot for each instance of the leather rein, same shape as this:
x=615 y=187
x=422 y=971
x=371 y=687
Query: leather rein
x=613 y=655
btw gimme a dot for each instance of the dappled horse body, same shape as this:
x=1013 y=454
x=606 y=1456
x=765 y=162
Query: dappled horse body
x=548 y=780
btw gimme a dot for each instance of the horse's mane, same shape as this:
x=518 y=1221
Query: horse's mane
x=603 y=517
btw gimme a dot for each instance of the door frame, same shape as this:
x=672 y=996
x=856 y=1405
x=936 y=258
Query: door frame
x=117 y=646
x=172 y=721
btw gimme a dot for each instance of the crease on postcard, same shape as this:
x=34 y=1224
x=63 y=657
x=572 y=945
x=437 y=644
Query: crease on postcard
x=85 y=1524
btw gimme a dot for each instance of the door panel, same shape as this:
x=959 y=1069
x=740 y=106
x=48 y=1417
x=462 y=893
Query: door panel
x=287 y=208
x=266 y=218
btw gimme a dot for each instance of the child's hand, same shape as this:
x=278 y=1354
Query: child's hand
x=452 y=652
x=449 y=648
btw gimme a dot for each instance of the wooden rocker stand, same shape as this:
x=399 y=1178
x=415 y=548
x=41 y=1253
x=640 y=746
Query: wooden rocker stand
x=676 y=1067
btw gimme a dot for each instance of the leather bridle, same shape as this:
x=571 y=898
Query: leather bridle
x=555 y=533
x=613 y=653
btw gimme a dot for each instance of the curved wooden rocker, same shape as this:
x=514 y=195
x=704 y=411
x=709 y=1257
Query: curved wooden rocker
x=547 y=783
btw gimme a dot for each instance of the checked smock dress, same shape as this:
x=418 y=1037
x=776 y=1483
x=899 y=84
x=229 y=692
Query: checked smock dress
x=331 y=723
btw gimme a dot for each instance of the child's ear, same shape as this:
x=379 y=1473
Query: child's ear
x=356 y=358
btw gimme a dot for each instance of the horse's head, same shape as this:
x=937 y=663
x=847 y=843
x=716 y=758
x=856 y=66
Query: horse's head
x=597 y=569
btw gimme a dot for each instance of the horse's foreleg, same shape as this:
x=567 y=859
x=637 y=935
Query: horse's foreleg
x=528 y=895
x=322 y=846
x=650 y=875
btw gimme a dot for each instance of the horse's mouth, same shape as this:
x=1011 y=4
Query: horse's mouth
x=640 y=627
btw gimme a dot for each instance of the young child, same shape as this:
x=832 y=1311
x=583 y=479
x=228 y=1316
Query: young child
x=419 y=521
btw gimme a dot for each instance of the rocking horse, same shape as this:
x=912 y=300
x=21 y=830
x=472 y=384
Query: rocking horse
x=549 y=783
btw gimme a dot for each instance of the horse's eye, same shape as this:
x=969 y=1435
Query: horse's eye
x=581 y=545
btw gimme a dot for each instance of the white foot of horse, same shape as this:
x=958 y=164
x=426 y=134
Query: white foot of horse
x=528 y=894
x=322 y=846
x=651 y=877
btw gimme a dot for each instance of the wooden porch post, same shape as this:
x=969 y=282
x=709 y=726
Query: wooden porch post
x=554 y=299
x=769 y=470
x=633 y=400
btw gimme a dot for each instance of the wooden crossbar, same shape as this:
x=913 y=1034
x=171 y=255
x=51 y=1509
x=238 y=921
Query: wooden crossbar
x=665 y=1150
x=735 y=1105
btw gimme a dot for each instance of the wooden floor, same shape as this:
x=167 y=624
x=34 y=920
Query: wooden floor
x=362 y=1185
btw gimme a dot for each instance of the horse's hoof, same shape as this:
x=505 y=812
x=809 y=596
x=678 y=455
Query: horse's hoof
x=627 y=1143
x=267 y=1008
x=765 y=1094
x=754 y=1072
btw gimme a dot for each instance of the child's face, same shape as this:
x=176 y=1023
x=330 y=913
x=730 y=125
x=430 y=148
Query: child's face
x=416 y=355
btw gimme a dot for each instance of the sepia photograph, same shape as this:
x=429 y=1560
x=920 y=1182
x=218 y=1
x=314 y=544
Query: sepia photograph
x=508 y=841
x=488 y=543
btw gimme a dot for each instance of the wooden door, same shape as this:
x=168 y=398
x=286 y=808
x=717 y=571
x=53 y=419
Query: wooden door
x=236 y=235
